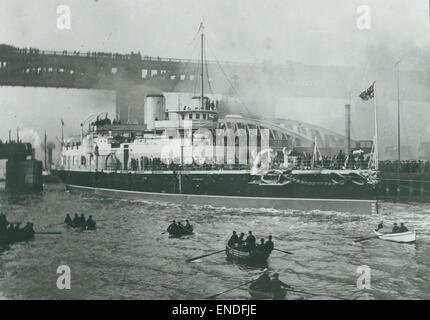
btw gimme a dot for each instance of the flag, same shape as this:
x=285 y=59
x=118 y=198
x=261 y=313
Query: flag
x=369 y=93
x=62 y=122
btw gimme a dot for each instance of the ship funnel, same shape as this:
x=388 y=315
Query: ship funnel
x=154 y=110
x=347 y=128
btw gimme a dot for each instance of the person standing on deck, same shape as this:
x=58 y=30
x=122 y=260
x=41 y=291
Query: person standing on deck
x=340 y=159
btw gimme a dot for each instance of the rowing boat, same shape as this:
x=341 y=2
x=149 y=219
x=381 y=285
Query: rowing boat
x=10 y=237
x=179 y=232
x=256 y=256
x=75 y=225
x=265 y=295
x=403 y=237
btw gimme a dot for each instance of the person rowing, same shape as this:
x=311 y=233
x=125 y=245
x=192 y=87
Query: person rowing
x=75 y=220
x=173 y=227
x=262 y=283
x=277 y=286
x=261 y=246
x=250 y=241
x=403 y=228
x=234 y=239
x=396 y=228
x=187 y=229
x=380 y=226
x=90 y=224
x=28 y=228
x=68 y=220
x=188 y=226
x=269 y=245
x=181 y=227
x=241 y=239
x=82 y=221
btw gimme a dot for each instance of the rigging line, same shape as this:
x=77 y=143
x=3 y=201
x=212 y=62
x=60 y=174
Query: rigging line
x=183 y=70
x=197 y=33
x=228 y=80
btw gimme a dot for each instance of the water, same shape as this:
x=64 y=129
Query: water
x=127 y=257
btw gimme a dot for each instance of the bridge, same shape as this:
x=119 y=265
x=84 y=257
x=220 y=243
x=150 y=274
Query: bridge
x=98 y=70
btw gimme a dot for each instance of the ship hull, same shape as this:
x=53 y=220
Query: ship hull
x=232 y=189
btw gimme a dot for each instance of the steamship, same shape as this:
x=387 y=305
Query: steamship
x=186 y=153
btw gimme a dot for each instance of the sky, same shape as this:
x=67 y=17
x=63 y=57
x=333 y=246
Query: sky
x=320 y=32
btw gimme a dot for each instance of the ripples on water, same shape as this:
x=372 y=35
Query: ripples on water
x=127 y=257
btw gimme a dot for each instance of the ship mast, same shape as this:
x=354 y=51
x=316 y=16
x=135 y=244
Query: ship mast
x=202 y=28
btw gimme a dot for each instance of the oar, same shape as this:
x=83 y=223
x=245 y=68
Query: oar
x=368 y=238
x=48 y=232
x=304 y=292
x=218 y=294
x=287 y=252
x=203 y=256
x=313 y=294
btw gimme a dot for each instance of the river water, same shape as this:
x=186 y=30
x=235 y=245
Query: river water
x=128 y=257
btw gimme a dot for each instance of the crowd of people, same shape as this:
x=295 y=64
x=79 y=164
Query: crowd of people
x=303 y=160
x=249 y=244
x=92 y=54
x=80 y=222
x=405 y=166
x=102 y=122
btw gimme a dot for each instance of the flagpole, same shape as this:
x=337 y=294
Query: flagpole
x=46 y=163
x=375 y=150
x=62 y=133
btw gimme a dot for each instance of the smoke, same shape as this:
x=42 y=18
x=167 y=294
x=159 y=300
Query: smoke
x=30 y=135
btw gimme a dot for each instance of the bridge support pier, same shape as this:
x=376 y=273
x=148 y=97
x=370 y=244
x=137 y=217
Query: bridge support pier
x=24 y=175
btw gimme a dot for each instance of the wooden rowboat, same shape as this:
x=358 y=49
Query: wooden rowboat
x=402 y=237
x=265 y=295
x=181 y=232
x=245 y=256
x=10 y=237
